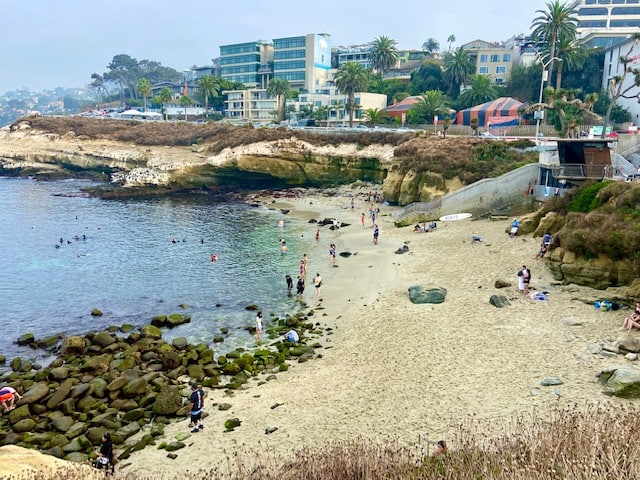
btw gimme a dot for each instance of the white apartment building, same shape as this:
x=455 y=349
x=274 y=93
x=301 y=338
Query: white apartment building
x=602 y=23
x=336 y=104
x=613 y=67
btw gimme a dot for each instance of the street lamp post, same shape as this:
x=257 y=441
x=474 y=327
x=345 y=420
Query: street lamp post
x=540 y=112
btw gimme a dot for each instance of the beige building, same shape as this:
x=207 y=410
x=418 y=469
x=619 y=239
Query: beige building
x=494 y=59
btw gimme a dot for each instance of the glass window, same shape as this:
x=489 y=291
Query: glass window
x=483 y=70
x=500 y=80
x=501 y=69
x=625 y=23
x=585 y=12
x=294 y=42
x=289 y=75
x=253 y=58
x=288 y=54
x=495 y=58
x=618 y=2
x=604 y=2
x=590 y=2
x=484 y=57
x=240 y=48
x=633 y=1
x=625 y=11
x=506 y=57
x=593 y=23
x=293 y=65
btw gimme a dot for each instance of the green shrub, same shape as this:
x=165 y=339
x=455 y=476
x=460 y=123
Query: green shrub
x=586 y=199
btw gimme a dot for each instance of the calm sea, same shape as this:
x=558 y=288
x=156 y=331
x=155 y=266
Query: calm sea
x=64 y=255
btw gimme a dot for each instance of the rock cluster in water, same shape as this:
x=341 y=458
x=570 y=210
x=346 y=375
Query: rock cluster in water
x=123 y=381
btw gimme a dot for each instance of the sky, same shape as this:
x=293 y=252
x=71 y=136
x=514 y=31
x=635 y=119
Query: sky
x=60 y=43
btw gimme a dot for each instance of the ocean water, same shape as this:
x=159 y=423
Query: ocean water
x=65 y=254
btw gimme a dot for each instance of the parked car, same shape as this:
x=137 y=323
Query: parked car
x=362 y=127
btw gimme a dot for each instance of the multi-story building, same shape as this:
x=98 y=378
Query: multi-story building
x=493 y=59
x=303 y=61
x=354 y=53
x=248 y=63
x=602 y=23
x=614 y=68
x=335 y=104
x=252 y=104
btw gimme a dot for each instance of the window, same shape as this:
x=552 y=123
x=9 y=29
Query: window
x=585 y=12
x=506 y=57
x=593 y=23
x=484 y=57
x=495 y=58
x=236 y=49
x=295 y=42
x=625 y=11
x=293 y=65
x=483 y=70
x=499 y=81
x=501 y=69
x=604 y=2
x=288 y=54
x=625 y=23
x=289 y=75
x=240 y=59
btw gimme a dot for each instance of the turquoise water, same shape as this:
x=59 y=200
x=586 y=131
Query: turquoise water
x=119 y=256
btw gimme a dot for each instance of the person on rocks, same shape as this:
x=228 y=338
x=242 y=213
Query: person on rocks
x=105 y=454
x=8 y=397
x=196 y=402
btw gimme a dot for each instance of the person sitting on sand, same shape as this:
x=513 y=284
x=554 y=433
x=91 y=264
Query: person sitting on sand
x=441 y=449
x=633 y=320
x=542 y=252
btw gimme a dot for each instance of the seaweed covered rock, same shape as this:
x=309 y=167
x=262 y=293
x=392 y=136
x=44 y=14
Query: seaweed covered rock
x=419 y=294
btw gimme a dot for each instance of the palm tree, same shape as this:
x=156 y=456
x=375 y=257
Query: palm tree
x=451 y=39
x=431 y=45
x=432 y=103
x=350 y=78
x=572 y=54
x=558 y=21
x=165 y=96
x=383 y=54
x=480 y=91
x=280 y=89
x=208 y=86
x=185 y=101
x=375 y=116
x=144 y=88
x=458 y=67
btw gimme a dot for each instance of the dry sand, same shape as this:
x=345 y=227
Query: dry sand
x=395 y=369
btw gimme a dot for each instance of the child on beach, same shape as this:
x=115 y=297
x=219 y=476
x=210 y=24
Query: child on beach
x=258 y=326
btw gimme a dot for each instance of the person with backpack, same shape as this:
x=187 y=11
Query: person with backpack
x=196 y=402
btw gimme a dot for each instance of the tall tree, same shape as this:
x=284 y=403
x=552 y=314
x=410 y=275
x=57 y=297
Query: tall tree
x=451 y=38
x=431 y=45
x=572 y=53
x=144 y=90
x=458 y=67
x=480 y=91
x=383 y=54
x=280 y=89
x=559 y=20
x=165 y=96
x=185 y=101
x=123 y=70
x=567 y=109
x=351 y=78
x=100 y=86
x=618 y=86
x=429 y=76
x=207 y=86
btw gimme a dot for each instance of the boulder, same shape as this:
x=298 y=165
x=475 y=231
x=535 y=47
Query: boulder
x=78 y=444
x=621 y=382
x=60 y=394
x=24 y=425
x=59 y=373
x=135 y=387
x=499 y=301
x=25 y=339
x=73 y=345
x=176 y=319
x=168 y=401
x=419 y=294
x=128 y=430
x=179 y=343
x=402 y=249
x=36 y=393
x=501 y=284
x=19 y=413
x=103 y=339
x=62 y=424
x=150 y=331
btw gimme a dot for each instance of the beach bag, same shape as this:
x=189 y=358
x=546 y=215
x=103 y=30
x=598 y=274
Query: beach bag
x=101 y=462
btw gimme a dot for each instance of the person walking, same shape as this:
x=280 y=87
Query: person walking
x=363 y=218
x=317 y=282
x=376 y=233
x=258 y=326
x=196 y=402
x=289 y=280
x=105 y=454
x=332 y=253
x=300 y=287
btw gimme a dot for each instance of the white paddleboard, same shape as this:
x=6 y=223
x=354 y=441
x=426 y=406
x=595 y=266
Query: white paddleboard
x=454 y=216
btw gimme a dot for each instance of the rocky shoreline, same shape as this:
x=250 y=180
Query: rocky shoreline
x=126 y=382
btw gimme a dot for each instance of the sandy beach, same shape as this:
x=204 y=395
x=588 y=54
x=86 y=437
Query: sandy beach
x=392 y=369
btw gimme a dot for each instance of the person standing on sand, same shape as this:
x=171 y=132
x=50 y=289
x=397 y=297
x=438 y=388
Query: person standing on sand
x=258 y=326
x=317 y=234
x=289 y=280
x=196 y=402
x=317 y=282
x=376 y=233
x=526 y=278
x=363 y=218
x=332 y=253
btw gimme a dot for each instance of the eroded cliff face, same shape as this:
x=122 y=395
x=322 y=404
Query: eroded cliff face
x=290 y=162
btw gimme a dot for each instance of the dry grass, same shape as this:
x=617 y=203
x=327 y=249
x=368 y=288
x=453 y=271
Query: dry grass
x=217 y=135
x=591 y=442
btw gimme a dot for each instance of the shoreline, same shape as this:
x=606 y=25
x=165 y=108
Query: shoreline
x=394 y=370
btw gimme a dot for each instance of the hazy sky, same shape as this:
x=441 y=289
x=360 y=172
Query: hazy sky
x=47 y=43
